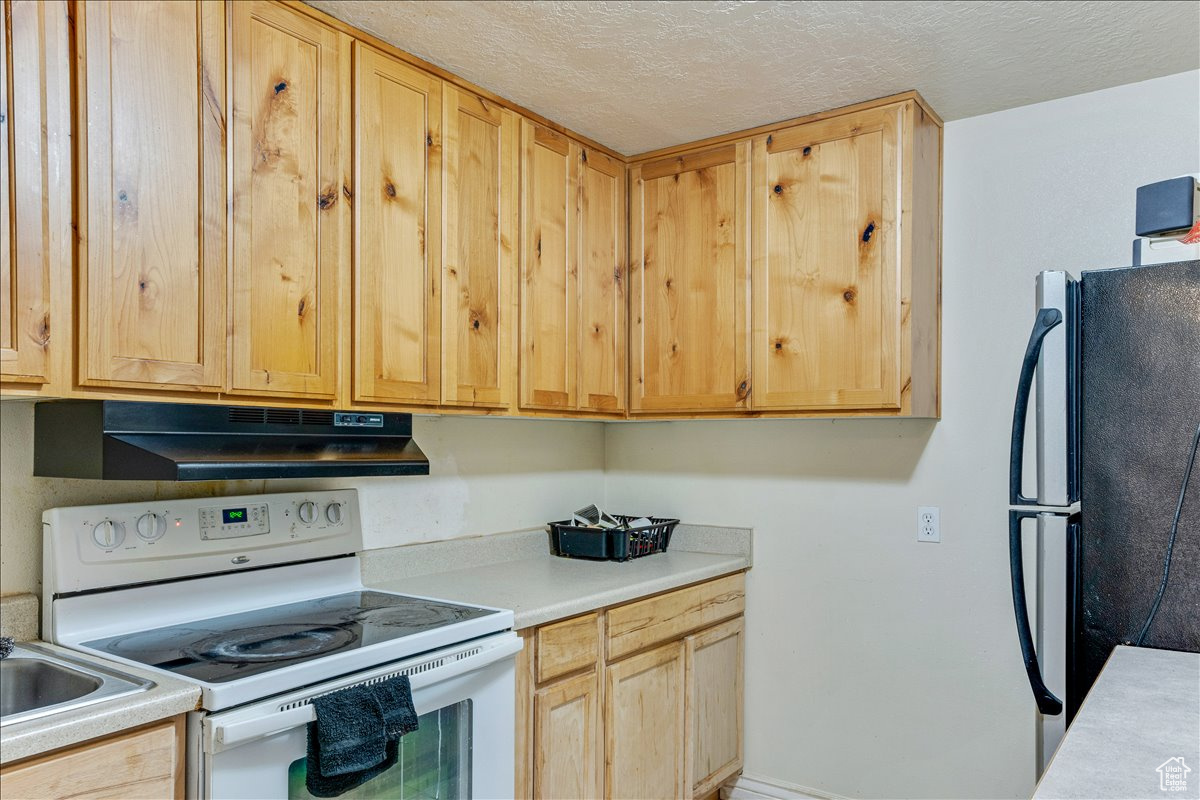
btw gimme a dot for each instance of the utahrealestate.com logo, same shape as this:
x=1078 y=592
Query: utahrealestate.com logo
x=1172 y=775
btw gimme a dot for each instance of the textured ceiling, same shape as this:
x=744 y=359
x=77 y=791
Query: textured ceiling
x=642 y=75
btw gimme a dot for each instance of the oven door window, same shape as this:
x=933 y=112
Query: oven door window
x=434 y=762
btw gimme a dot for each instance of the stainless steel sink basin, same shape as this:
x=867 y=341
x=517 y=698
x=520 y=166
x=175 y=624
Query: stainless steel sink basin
x=35 y=683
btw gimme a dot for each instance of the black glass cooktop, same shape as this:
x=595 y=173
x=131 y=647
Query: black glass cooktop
x=240 y=645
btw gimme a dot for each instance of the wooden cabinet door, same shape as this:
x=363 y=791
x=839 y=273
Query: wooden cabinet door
x=145 y=763
x=714 y=685
x=397 y=211
x=568 y=753
x=603 y=303
x=549 y=253
x=152 y=265
x=826 y=264
x=479 y=187
x=690 y=282
x=35 y=178
x=645 y=742
x=290 y=195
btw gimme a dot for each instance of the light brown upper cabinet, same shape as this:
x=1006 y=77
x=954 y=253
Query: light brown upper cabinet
x=397 y=228
x=291 y=198
x=572 y=299
x=35 y=203
x=603 y=303
x=549 y=292
x=837 y=313
x=479 y=190
x=690 y=282
x=152 y=262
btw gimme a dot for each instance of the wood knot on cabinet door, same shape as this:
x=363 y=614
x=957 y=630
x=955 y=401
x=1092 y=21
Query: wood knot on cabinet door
x=280 y=86
x=807 y=150
x=326 y=199
x=122 y=196
x=778 y=345
x=778 y=188
x=870 y=229
x=389 y=189
x=583 y=155
x=302 y=307
x=743 y=390
x=42 y=337
x=848 y=295
x=346 y=192
x=428 y=140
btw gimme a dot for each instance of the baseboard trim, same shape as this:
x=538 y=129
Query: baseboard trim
x=748 y=787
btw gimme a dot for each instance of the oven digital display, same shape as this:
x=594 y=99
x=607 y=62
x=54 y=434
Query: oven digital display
x=233 y=516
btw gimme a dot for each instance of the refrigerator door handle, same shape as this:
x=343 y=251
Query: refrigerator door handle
x=1047 y=703
x=1046 y=321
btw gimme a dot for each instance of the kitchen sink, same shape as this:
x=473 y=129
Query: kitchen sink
x=35 y=682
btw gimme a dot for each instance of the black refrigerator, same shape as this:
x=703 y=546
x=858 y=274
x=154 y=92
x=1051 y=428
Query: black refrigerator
x=1107 y=551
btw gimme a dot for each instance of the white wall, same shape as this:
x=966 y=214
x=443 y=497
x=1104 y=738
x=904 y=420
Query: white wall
x=877 y=666
x=487 y=475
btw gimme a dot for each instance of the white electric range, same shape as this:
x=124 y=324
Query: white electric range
x=259 y=601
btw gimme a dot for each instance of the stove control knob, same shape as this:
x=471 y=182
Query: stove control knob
x=308 y=512
x=333 y=513
x=109 y=534
x=151 y=527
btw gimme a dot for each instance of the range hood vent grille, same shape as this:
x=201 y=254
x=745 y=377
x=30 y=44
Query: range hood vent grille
x=283 y=416
x=245 y=414
x=248 y=415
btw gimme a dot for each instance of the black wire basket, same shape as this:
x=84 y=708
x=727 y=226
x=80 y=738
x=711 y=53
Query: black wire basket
x=572 y=541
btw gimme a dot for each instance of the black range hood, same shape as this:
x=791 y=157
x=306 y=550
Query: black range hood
x=120 y=440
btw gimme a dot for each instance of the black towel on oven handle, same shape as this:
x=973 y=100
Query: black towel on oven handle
x=395 y=699
x=356 y=735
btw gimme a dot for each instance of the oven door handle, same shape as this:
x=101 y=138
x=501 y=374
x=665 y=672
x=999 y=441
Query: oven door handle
x=230 y=734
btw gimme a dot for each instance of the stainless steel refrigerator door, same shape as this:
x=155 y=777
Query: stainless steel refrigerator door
x=1055 y=400
x=1051 y=616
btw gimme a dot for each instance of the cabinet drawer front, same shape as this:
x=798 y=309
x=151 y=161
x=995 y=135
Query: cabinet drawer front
x=567 y=646
x=639 y=625
x=142 y=764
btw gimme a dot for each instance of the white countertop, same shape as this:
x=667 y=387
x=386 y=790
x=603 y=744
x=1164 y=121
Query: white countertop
x=166 y=698
x=543 y=587
x=1142 y=712
x=512 y=570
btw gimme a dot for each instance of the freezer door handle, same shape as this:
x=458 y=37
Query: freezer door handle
x=1046 y=321
x=1047 y=703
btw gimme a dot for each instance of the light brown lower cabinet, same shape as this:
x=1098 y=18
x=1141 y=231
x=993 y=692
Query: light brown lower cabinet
x=567 y=720
x=143 y=763
x=600 y=714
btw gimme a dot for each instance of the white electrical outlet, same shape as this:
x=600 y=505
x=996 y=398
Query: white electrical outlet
x=929 y=527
